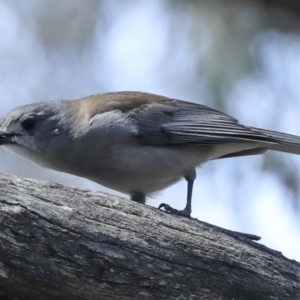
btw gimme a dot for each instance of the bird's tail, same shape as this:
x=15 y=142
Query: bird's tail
x=286 y=142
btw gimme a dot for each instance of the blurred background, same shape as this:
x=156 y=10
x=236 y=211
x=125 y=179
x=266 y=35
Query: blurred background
x=241 y=57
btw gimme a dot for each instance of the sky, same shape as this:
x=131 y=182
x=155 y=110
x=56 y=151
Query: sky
x=74 y=50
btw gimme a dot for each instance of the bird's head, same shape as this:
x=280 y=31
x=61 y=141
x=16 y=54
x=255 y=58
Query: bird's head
x=30 y=130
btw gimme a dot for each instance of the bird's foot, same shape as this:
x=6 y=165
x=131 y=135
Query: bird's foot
x=184 y=213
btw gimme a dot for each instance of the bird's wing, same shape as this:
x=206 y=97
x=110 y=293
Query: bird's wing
x=253 y=151
x=175 y=122
x=163 y=121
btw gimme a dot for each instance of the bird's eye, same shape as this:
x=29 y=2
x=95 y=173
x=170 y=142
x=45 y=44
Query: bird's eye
x=28 y=123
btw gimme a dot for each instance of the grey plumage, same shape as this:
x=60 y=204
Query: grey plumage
x=136 y=143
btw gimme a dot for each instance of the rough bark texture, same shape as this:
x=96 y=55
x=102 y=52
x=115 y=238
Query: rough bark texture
x=58 y=242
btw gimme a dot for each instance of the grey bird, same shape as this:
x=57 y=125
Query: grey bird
x=136 y=143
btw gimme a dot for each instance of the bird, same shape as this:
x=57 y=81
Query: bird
x=133 y=142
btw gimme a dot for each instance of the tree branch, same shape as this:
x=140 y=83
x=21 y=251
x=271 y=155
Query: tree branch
x=58 y=242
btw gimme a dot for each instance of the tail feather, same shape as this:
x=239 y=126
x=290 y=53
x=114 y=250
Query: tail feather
x=286 y=142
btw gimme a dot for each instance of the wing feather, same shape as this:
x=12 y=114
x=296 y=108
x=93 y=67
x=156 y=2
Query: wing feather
x=160 y=120
x=175 y=122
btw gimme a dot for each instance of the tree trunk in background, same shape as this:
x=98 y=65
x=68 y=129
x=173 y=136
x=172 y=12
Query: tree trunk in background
x=58 y=242
x=292 y=6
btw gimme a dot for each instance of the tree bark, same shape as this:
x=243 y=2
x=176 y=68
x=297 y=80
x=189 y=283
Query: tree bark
x=58 y=242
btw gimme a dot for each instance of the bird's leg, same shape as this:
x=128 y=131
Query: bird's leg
x=138 y=197
x=188 y=208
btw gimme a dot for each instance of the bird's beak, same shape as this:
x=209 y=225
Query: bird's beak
x=4 y=137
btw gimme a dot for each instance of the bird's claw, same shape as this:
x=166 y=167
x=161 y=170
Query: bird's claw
x=184 y=213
